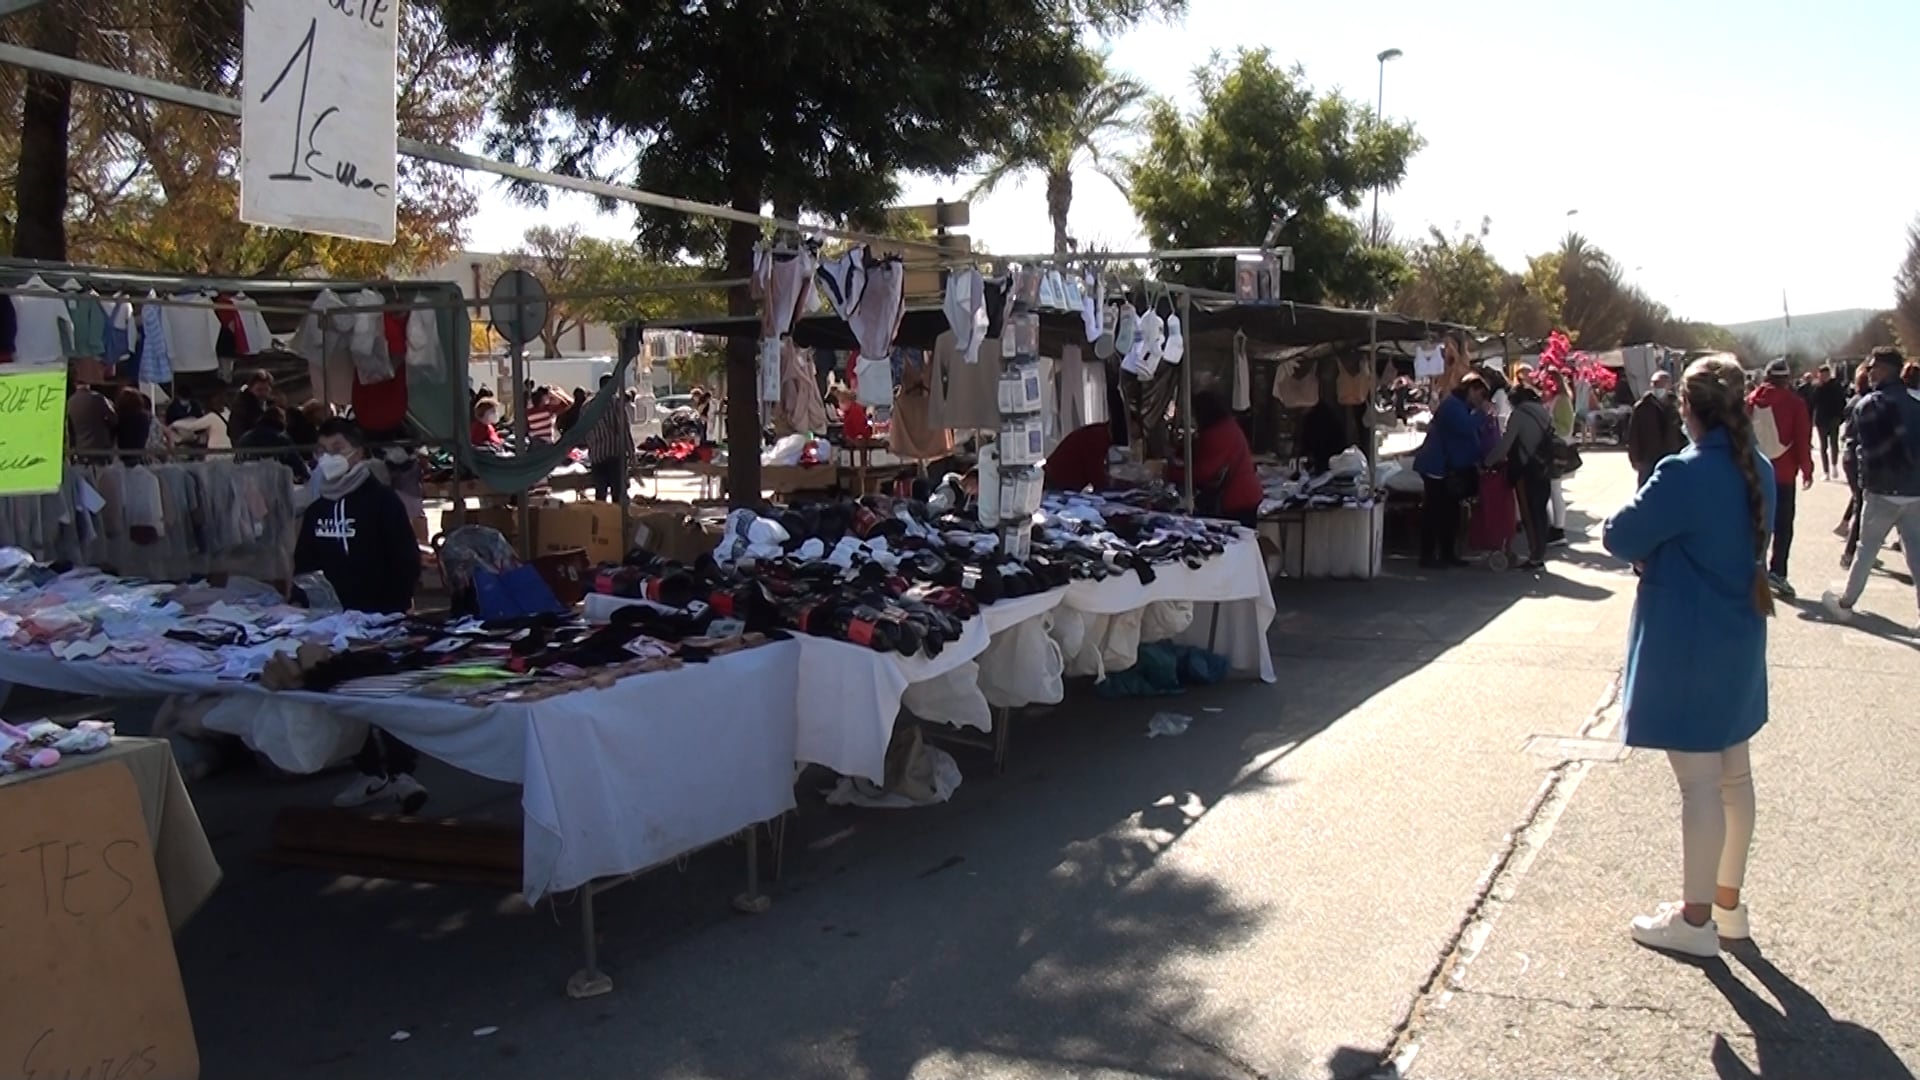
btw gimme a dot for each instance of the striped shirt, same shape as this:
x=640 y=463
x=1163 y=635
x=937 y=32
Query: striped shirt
x=612 y=435
x=542 y=422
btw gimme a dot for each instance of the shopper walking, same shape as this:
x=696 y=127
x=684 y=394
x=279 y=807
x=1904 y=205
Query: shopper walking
x=1829 y=412
x=1654 y=430
x=1523 y=451
x=1885 y=437
x=1783 y=430
x=1696 y=676
x=1449 y=466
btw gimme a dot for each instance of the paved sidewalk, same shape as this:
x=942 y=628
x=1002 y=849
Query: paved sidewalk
x=1828 y=987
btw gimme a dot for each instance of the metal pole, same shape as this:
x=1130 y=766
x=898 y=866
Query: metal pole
x=1366 y=415
x=1186 y=400
x=1379 y=110
x=517 y=363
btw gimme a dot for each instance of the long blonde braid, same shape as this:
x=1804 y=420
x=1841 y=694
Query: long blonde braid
x=1715 y=392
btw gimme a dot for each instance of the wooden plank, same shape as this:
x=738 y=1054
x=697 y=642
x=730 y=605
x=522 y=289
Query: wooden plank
x=937 y=215
x=91 y=985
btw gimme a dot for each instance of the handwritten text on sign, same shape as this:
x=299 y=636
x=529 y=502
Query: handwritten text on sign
x=90 y=984
x=317 y=138
x=33 y=431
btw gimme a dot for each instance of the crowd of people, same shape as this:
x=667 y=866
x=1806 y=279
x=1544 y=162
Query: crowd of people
x=1503 y=448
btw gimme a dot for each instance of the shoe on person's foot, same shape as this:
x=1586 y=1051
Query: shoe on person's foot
x=363 y=790
x=1668 y=930
x=1556 y=537
x=1732 y=925
x=1780 y=587
x=411 y=793
x=1837 y=609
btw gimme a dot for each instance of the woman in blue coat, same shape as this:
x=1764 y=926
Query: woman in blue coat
x=1696 y=678
x=1448 y=463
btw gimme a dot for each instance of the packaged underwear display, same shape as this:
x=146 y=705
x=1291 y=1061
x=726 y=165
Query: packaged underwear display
x=44 y=744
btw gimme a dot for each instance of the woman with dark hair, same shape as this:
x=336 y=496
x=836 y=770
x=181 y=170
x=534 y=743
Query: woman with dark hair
x=133 y=425
x=1523 y=450
x=1225 y=484
x=1696 y=677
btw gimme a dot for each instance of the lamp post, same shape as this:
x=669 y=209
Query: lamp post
x=1379 y=111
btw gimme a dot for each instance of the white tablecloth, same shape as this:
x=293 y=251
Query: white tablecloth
x=848 y=696
x=615 y=780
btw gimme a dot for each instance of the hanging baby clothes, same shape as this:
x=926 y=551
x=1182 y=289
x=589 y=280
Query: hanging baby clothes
x=156 y=366
x=324 y=341
x=883 y=302
x=963 y=395
x=193 y=331
x=1428 y=362
x=873 y=379
x=966 y=311
x=116 y=340
x=380 y=408
x=1083 y=390
x=42 y=324
x=1353 y=386
x=423 y=338
x=1297 y=384
x=912 y=435
x=250 y=334
x=369 y=340
x=1242 y=374
x=87 y=349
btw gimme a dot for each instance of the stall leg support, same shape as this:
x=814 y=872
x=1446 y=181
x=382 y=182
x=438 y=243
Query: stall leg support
x=1002 y=738
x=753 y=901
x=589 y=981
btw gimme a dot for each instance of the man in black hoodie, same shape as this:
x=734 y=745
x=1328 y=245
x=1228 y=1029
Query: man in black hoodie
x=1829 y=412
x=358 y=535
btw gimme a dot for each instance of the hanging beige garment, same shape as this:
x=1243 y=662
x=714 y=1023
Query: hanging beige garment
x=802 y=409
x=1297 y=384
x=1353 y=387
x=913 y=435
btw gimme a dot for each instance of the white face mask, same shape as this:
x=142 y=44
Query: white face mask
x=333 y=466
x=488 y=418
x=1662 y=391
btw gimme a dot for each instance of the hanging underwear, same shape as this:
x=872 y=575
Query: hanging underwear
x=882 y=303
x=966 y=311
x=842 y=279
x=783 y=280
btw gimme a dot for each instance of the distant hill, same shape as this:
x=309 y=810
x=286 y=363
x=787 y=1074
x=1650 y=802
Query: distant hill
x=1816 y=335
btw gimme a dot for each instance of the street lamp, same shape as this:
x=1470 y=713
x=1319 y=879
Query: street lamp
x=1379 y=110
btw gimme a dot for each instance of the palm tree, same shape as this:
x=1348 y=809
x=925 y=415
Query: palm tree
x=1062 y=135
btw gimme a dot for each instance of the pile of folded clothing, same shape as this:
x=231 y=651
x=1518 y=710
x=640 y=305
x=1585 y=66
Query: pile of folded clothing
x=656 y=452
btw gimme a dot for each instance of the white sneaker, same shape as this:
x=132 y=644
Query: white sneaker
x=411 y=793
x=1836 y=609
x=1733 y=925
x=1669 y=931
x=363 y=790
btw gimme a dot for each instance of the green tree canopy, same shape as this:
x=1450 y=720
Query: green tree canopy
x=817 y=109
x=1264 y=146
x=570 y=263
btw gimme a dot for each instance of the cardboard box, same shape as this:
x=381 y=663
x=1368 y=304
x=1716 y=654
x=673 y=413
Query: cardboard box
x=505 y=520
x=596 y=528
x=674 y=534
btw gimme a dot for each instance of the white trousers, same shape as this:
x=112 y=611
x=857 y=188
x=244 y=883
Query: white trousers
x=1557 y=505
x=1880 y=515
x=1716 y=819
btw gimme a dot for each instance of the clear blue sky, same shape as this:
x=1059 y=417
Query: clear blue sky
x=1722 y=150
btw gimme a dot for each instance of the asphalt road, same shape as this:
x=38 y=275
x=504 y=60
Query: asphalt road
x=1269 y=895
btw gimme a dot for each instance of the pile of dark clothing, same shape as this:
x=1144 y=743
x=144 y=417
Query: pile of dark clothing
x=895 y=576
x=657 y=452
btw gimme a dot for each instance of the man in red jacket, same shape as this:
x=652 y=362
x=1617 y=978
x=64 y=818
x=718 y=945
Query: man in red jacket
x=1783 y=430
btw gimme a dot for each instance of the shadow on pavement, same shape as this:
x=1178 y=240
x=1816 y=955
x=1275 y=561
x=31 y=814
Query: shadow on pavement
x=1030 y=920
x=1798 y=1039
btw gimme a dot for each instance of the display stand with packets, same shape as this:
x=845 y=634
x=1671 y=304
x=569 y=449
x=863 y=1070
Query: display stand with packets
x=1022 y=443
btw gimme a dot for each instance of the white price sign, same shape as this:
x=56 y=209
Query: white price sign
x=318 y=116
